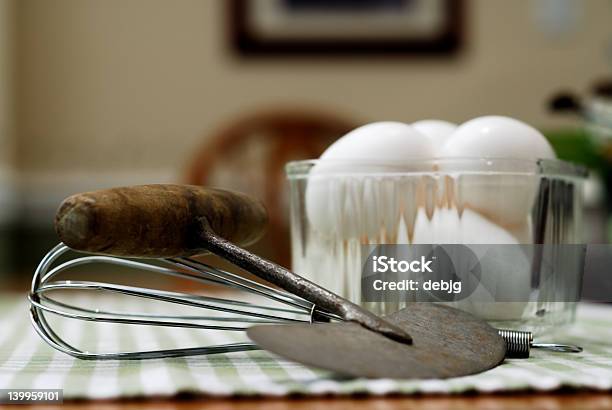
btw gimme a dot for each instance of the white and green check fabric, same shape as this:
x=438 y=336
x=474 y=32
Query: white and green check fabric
x=27 y=362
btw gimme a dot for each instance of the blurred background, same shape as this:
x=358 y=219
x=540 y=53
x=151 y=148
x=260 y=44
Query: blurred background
x=99 y=93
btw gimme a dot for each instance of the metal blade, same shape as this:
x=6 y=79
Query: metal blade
x=446 y=343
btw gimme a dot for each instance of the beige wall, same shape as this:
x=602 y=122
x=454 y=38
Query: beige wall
x=8 y=191
x=7 y=96
x=130 y=86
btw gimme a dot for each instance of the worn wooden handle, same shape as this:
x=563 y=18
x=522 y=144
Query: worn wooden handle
x=157 y=220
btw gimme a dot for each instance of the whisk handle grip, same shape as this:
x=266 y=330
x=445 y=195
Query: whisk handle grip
x=299 y=286
x=161 y=220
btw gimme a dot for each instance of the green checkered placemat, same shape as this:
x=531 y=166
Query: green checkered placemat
x=27 y=362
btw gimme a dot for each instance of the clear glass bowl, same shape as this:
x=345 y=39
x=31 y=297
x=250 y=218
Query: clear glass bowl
x=338 y=206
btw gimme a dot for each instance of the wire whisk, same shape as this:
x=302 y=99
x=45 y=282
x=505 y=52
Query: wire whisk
x=237 y=314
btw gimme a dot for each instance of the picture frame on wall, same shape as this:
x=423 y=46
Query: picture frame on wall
x=346 y=27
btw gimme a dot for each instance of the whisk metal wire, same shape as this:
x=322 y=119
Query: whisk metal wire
x=296 y=310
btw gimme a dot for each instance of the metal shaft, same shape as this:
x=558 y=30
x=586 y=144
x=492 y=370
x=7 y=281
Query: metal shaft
x=299 y=286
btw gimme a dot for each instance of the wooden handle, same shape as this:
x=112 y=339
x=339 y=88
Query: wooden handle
x=157 y=220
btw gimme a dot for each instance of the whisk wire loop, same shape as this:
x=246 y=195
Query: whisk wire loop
x=235 y=311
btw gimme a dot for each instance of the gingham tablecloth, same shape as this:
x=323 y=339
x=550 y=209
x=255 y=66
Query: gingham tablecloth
x=27 y=362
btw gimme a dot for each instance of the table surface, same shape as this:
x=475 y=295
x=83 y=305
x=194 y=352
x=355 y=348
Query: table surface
x=563 y=400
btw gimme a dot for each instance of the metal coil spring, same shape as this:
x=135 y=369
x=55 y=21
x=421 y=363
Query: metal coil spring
x=518 y=342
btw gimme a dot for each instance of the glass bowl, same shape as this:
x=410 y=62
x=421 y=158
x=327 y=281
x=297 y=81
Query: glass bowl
x=519 y=219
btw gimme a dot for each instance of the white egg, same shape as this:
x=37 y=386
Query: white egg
x=447 y=226
x=346 y=199
x=437 y=130
x=345 y=196
x=497 y=137
x=385 y=140
x=506 y=199
x=505 y=271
